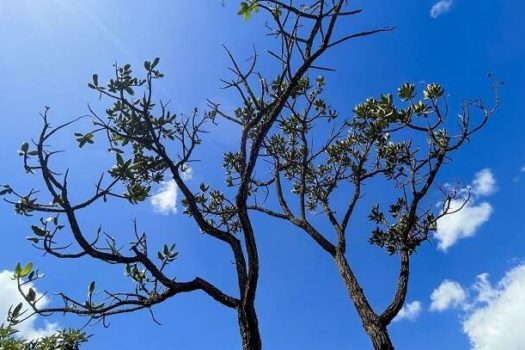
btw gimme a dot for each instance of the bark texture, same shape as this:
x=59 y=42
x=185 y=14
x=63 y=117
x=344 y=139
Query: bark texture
x=249 y=328
x=372 y=324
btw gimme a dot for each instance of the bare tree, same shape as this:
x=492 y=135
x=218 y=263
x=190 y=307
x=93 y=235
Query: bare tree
x=138 y=131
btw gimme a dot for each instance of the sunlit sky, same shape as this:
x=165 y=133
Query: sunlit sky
x=49 y=50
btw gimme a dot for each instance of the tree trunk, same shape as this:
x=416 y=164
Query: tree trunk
x=379 y=336
x=249 y=327
x=376 y=331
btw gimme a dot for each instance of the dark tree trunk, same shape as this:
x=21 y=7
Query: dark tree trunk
x=379 y=336
x=376 y=331
x=249 y=327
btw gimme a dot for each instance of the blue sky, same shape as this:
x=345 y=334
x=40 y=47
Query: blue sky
x=49 y=51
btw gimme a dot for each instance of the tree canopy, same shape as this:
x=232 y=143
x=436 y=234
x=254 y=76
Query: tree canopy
x=280 y=169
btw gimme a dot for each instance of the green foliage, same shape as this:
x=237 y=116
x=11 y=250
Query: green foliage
x=83 y=139
x=168 y=254
x=399 y=139
x=247 y=8
x=128 y=128
x=69 y=339
x=366 y=145
x=66 y=339
x=21 y=272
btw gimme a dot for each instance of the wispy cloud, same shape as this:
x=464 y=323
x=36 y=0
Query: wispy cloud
x=441 y=7
x=517 y=178
x=470 y=216
x=9 y=295
x=187 y=173
x=409 y=311
x=492 y=316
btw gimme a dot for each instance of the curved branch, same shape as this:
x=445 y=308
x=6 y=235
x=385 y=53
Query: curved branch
x=402 y=287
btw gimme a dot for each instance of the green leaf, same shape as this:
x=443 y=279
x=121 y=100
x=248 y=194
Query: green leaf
x=116 y=150
x=120 y=160
x=18 y=269
x=31 y=295
x=91 y=287
x=247 y=8
x=33 y=239
x=95 y=79
x=24 y=148
x=406 y=91
x=433 y=91
x=26 y=270
x=155 y=62
x=5 y=191
x=16 y=310
x=83 y=139
x=39 y=231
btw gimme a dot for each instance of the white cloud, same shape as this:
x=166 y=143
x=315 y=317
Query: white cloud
x=461 y=224
x=518 y=177
x=441 y=7
x=165 y=201
x=409 y=311
x=9 y=295
x=496 y=320
x=484 y=289
x=470 y=216
x=493 y=316
x=187 y=173
x=484 y=183
x=448 y=295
